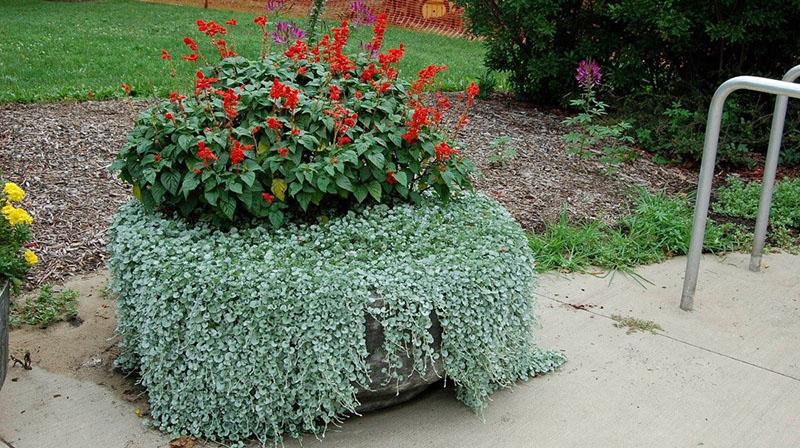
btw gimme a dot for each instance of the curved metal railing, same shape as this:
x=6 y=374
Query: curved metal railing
x=783 y=89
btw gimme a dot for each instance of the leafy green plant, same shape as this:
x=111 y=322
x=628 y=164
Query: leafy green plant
x=740 y=199
x=15 y=232
x=501 y=151
x=46 y=308
x=260 y=332
x=305 y=130
x=488 y=83
x=592 y=138
x=657 y=228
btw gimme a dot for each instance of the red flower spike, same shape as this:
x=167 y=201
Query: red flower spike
x=283 y=152
x=295 y=131
x=237 y=152
x=165 y=55
x=231 y=22
x=261 y=21
x=197 y=170
x=205 y=153
x=273 y=123
x=191 y=43
x=230 y=101
x=268 y=198
x=377 y=33
x=126 y=88
x=335 y=93
x=191 y=58
x=202 y=83
x=343 y=140
x=390 y=178
x=157 y=157
x=302 y=71
x=169 y=116
x=444 y=152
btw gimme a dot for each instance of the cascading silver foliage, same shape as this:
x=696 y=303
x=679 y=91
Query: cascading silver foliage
x=257 y=332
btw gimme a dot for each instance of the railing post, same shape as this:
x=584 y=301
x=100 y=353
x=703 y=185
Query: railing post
x=707 y=168
x=770 y=168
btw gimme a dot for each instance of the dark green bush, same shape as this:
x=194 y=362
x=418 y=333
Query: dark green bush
x=652 y=52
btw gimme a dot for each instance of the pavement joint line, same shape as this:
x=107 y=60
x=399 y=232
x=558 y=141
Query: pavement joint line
x=681 y=341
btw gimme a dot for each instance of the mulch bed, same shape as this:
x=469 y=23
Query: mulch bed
x=60 y=154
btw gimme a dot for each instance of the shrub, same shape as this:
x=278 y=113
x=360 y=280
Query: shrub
x=258 y=331
x=653 y=51
x=305 y=129
x=15 y=232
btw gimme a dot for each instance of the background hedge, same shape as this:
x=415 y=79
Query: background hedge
x=662 y=61
x=260 y=332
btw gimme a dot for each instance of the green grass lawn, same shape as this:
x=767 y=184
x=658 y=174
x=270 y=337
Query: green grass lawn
x=52 y=50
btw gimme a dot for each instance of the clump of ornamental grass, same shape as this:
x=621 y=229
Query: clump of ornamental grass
x=302 y=130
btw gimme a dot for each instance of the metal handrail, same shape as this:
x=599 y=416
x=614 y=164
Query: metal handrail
x=783 y=89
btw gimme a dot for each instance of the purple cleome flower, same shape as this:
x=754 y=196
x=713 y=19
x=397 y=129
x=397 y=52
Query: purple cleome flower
x=361 y=14
x=286 y=32
x=588 y=74
x=275 y=5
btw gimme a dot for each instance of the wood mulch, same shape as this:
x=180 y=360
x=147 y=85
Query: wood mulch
x=60 y=154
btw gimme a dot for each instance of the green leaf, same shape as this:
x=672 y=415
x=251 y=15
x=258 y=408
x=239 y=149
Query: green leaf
x=360 y=193
x=171 y=180
x=279 y=189
x=344 y=182
x=374 y=189
x=235 y=187
x=276 y=218
x=401 y=178
x=377 y=159
x=211 y=197
x=248 y=177
x=228 y=206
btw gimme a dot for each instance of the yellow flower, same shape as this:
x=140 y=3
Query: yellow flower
x=30 y=257
x=16 y=215
x=13 y=192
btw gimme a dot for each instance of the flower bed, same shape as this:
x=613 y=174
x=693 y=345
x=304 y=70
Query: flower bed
x=259 y=332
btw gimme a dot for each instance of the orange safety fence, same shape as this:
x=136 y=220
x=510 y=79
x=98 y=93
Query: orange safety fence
x=439 y=16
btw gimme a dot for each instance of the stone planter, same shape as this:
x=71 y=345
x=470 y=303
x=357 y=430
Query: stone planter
x=4 y=304
x=383 y=392
x=262 y=332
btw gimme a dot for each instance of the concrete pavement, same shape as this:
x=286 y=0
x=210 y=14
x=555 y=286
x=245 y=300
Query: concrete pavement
x=724 y=375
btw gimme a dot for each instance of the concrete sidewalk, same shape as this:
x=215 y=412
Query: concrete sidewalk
x=724 y=375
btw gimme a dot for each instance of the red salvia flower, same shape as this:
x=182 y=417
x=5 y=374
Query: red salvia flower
x=165 y=55
x=295 y=131
x=369 y=73
x=426 y=76
x=472 y=92
x=205 y=153
x=231 y=22
x=237 y=152
x=191 y=58
x=268 y=198
x=202 y=83
x=302 y=71
x=283 y=152
x=335 y=93
x=230 y=101
x=444 y=152
x=390 y=178
x=210 y=28
x=169 y=116
x=377 y=34
x=197 y=170
x=191 y=43
x=174 y=97
x=297 y=51
x=343 y=140
x=126 y=88
x=157 y=157
x=358 y=94
x=273 y=123
x=261 y=21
